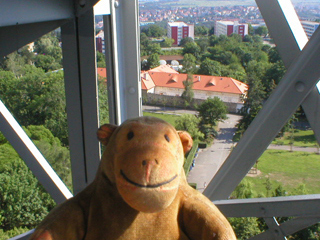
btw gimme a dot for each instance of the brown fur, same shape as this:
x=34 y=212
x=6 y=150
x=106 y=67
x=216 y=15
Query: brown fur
x=140 y=192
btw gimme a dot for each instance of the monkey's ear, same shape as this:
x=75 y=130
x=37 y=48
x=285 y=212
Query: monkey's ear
x=186 y=141
x=104 y=133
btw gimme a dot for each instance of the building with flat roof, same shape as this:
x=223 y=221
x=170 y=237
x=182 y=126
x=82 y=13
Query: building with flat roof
x=309 y=27
x=179 y=30
x=229 y=27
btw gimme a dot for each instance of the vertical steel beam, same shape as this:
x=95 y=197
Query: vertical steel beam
x=79 y=60
x=111 y=84
x=290 y=39
x=282 y=103
x=32 y=156
x=124 y=41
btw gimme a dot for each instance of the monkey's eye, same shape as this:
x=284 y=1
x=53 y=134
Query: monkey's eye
x=167 y=138
x=130 y=135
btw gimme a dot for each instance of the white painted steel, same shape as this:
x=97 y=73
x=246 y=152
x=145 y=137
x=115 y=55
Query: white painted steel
x=126 y=59
x=32 y=156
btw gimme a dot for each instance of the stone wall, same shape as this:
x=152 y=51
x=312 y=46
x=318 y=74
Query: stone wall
x=177 y=101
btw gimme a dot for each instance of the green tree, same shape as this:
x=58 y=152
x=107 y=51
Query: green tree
x=253 y=103
x=211 y=31
x=248 y=38
x=22 y=200
x=154 y=30
x=189 y=123
x=201 y=31
x=203 y=43
x=144 y=44
x=188 y=93
x=212 y=110
x=101 y=60
x=213 y=40
x=103 y=101
x=210 y=67
x=186 y=40
x=46 y=62
x=153 y=60
x=154 y=48
x=189 y=63
x=167 y=42
x=192 y=48
x=51 y=148
x=245 y=228
x=48 y=45
x=218 y=54
x=14 y=63
x=274 y=55
x=250 y=29
x=243 y=190
x=262 y=31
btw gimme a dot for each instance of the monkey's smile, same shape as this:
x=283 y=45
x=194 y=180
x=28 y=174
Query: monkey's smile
x=148 y=185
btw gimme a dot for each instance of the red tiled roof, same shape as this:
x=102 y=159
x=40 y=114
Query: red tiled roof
x=164 y=76
x=146 y=81
x=163 y=68
x=102 y=72
x=200 y=82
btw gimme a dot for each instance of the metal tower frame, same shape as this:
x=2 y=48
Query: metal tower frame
x=24 y=21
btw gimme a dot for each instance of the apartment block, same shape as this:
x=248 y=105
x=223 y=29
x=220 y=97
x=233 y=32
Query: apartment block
x=179 y=30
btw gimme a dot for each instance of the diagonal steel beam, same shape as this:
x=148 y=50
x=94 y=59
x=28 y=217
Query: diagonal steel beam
x=32 y=156
x=290 y=39
x=283 y=102
x=287 y=228
x=24 y=34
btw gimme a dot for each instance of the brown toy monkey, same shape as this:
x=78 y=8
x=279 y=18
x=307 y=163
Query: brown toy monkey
x=140 y=192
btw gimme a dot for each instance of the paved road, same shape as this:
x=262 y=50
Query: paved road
x=167 y=110
x=294 y=148
x=210 y=159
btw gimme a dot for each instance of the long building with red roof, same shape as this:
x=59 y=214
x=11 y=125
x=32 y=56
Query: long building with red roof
x=170 y=83
x=164 y=80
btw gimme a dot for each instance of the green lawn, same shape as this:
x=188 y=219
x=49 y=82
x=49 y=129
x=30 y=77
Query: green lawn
x=301 y=138
x=170 y=118
x=291 y=169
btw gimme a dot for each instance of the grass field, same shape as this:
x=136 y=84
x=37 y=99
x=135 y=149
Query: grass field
x=170 y=118
x=301 y=138
x=291 y=169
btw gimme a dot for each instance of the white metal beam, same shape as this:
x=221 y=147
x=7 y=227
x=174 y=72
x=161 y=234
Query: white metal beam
x=32 y=156
x=125 y=59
